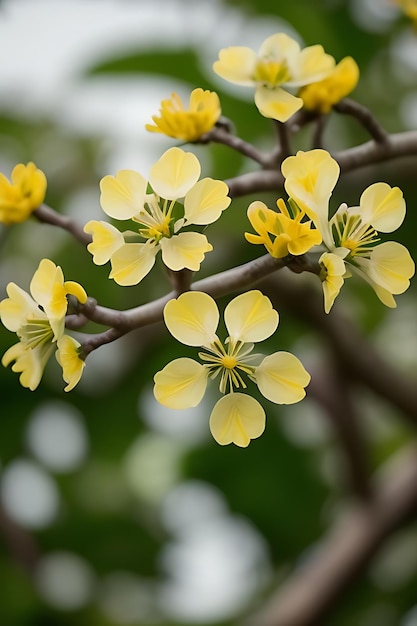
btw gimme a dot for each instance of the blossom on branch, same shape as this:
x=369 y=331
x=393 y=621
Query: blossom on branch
x=23 y=194
x=352 y=232
x=237 y=417
x=324 y=94
x=38 y=319
x=279 y=65
x=187 y=124
x=161 y=216
x=283 y=232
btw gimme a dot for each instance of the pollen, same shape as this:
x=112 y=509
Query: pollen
x=229 y=362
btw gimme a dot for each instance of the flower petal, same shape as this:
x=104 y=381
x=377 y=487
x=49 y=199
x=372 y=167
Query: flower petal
x=311 y=65
x=237 y=65
x=332 y=279
x=181 y=384
x=383 y=207
x=123 y=195
x=205 y=202
x=192 y=318
x=237 y=418
x=67 y=356
x=276 y=103
x=29 y=363
x=174 y=174
x=391 y=266
x=132 y=262
x=15 y=309
x=281 y=378
x=106 y=240
x=250 y=317
x=185 y=250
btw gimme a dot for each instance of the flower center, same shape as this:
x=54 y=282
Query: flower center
x=156 y=220
x=229 y=363
x=35 y=332
x=350 y=232
x=271 y=73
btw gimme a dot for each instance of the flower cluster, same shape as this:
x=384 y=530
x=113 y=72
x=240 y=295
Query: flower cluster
x=162 y=218
x=351 y=236
x=38 y=320
x=279 y=65
x=324 y=94
x=23 y=194
x=237 y=418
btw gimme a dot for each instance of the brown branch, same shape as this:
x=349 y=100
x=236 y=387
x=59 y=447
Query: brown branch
x=396 y=146
x=221 y=135
x=364 y=116
x=306 y=598
x=47 y=215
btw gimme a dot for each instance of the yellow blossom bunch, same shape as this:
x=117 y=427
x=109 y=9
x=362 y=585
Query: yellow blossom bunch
x=24 y=193
x=161 y=216
x=237 y=417
x=38 y=320
x=187 y=124
x=351 y=236
x=279 y=65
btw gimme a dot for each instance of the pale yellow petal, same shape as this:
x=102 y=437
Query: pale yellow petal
x=46 y=277
x=383 y=207
x=237 y=418
x=250 y=317
x=15 y=309
x=181 y=384
x=281 y=378
x=174 y=174
x=278 y=47
x=192 y=318
x=122 y=196
x=205 y=202
x=237 y=64
x=68 y=357
x=106 y=240
x=186 y=250
x=132 y=262
x=312 y=65
x=75 y=289
x=391 y=267
x=276 y=103
x=310 y=178
x=29 y=363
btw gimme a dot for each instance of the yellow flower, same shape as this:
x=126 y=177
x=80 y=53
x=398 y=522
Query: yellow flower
x=279 y=64
x=324 y=94
x=282 y=232
x=331 y=275
x=38 y=320
x=160 y=216
x=68 y=356
x=351 y=233
x=25 y=193
x=187 y=124
x=237 y=418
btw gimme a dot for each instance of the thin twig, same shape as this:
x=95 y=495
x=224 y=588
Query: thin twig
x=364 y=116
x=48 y=216
x=221 y=135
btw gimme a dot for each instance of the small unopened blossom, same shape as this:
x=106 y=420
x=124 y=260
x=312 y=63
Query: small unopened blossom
x=24 y=193
x=353 y=232
x=249 y=318
x=177 y=200
x=282 y=232
x=324 y=94
x=189 y=124
x=279 y=65
x=38 y=320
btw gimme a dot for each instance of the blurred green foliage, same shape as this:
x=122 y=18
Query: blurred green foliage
x=280 y=483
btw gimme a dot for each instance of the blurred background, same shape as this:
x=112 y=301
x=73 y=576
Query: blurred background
x=115 y=511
